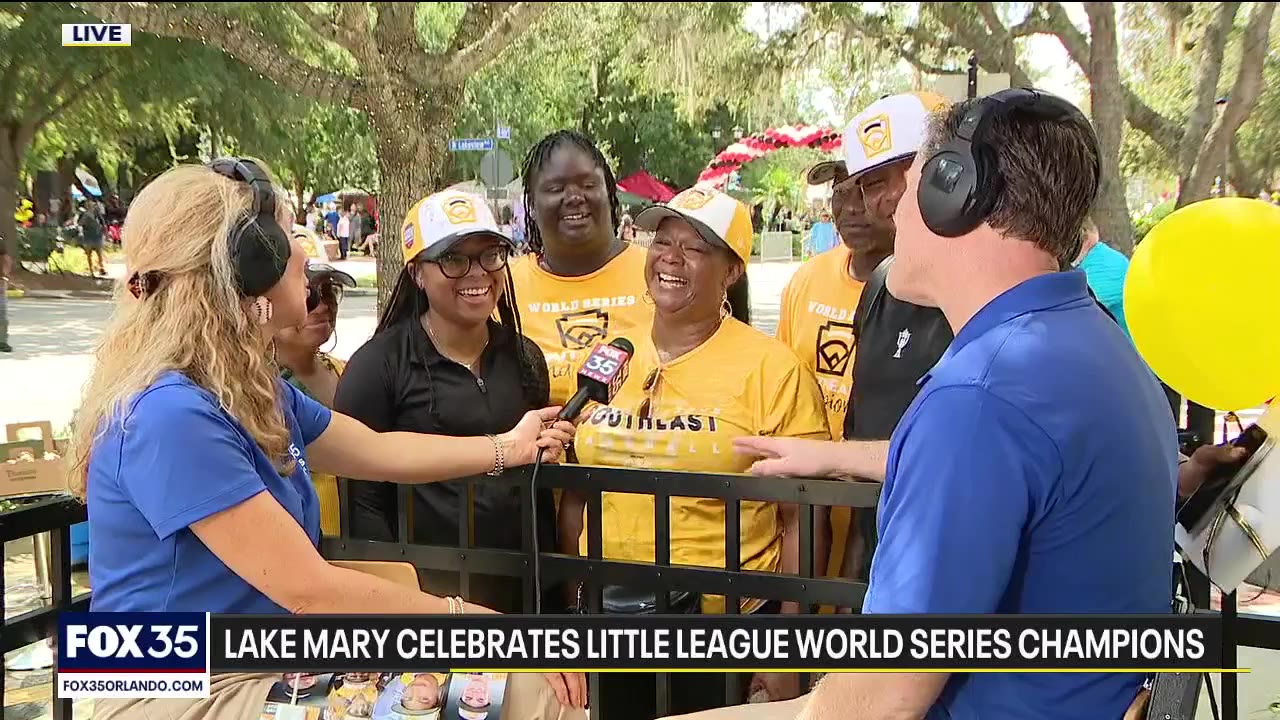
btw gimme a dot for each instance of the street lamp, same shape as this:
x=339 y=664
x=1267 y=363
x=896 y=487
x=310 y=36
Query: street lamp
x=715 y=133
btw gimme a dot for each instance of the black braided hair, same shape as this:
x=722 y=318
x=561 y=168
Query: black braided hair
x=537 y=159
x=408 y=300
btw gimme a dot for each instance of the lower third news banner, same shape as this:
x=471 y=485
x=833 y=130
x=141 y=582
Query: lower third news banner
x=146 y=655
x=852 y=643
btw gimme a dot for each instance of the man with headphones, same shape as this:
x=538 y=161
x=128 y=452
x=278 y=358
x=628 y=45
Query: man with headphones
x=1035 y=471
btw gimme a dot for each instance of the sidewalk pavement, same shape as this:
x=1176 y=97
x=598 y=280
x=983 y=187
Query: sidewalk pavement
x=357 y=268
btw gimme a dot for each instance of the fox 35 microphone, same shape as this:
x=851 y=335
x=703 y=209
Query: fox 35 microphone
x=599 y=379
x=600 y=376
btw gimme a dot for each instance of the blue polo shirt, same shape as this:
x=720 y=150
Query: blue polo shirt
x=1034 y=473
x=174 y=457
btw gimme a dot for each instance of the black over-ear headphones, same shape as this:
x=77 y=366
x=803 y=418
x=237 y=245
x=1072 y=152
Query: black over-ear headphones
x=259 y=246
x=961 y=182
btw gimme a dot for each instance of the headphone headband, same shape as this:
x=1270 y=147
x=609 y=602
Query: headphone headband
x=961 y=181
x=259 y=245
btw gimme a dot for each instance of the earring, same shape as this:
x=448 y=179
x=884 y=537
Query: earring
x=726 y=309
x=647 y=298
x=262 y=310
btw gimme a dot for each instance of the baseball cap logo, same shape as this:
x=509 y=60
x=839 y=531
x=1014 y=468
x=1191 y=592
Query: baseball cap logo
x=460 y=211
x=692 y=199
x=408 y=236
x=875 y=136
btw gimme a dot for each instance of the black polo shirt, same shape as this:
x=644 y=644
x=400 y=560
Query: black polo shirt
x=398 y=381
x=896 y=344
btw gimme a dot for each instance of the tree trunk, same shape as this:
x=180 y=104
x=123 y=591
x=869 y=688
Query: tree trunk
x=410 y=162
x=8 y=205
x=1244 y=96
x=1191 y=154
x=91 y=163
x=299 y=210
x=10 y=161
x=1112 y=210
x=66 y=169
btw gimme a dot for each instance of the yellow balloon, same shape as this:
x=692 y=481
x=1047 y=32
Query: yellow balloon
x=1202 y=301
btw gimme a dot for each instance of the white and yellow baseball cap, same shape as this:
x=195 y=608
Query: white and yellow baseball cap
x=719 y=218
x=889 y=129
x=440 y=221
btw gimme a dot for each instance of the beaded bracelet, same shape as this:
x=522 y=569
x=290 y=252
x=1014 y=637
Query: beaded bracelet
x=456 y=606
x=499 y=456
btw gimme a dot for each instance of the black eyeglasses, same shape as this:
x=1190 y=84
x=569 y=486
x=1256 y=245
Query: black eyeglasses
x=457 y=265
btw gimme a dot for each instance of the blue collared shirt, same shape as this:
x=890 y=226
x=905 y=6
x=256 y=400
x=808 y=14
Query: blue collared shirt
x=1034 y=473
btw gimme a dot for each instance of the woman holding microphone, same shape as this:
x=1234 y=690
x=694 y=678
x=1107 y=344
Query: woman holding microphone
x=194 y=456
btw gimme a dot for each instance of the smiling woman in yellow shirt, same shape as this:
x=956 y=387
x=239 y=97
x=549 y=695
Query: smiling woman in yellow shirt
x=579 y=284
x=699 y=378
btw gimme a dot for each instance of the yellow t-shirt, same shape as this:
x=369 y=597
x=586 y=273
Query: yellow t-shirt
x=326 y=485
x=816 y=322
x=567 y=316
x=740 y=382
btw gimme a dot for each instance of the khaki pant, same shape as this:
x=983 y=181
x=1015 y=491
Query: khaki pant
x=242 y=696
x=784 y=710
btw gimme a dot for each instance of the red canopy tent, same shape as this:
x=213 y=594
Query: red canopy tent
x=646 y=186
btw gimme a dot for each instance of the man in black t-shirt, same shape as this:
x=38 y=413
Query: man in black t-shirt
x=896 y=342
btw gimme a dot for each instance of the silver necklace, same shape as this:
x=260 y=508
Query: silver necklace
x=440 y=348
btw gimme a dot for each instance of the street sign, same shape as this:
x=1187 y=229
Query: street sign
x=504 y=132
x=470 y=144
x=496 y=168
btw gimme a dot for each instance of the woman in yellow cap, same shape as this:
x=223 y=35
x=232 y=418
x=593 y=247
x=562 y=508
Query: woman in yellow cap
x=698 y=379
x=440 y=362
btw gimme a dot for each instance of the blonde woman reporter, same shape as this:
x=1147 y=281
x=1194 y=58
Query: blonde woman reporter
x=195 y=458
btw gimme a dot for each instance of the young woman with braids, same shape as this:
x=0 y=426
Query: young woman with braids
x=578 y=284
x=440 y=363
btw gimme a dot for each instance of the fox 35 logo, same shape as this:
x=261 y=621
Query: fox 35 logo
x=156 y=642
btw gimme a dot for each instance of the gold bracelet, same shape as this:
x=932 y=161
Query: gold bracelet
x=499 y=456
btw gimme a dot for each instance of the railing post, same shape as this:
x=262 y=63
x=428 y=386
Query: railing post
x=1230 y=684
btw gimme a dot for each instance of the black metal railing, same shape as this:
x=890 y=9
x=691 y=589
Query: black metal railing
x=54 y=515
x=807 y=588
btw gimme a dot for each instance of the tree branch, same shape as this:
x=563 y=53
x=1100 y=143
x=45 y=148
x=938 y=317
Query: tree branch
x=970 y=34
x=1244 y=96
x=194 y=23
x=32 y=116
x=1036 y=23
x=506 y=28
x=920 y=64
x=396 y=33
x=987 y=11
x=1163 y=132
x=70 y=99
x=476 y=21
x=325 y=27
x=1213 y=47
